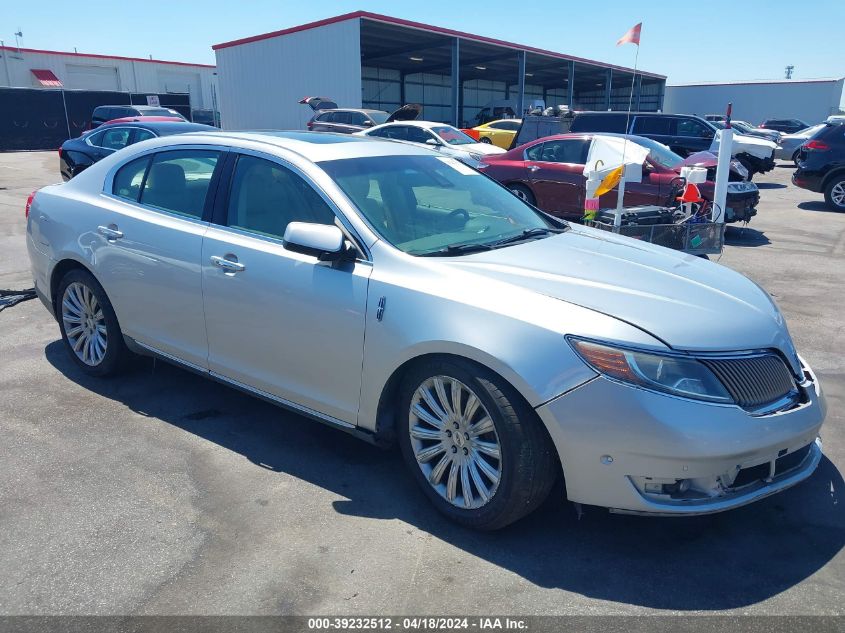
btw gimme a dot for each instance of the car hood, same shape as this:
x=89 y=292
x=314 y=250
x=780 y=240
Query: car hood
x=754 y=145
x=709 y=160
x=487 y=149
x=407 y=112
x=683 y=300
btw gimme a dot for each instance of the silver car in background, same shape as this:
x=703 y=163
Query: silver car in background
x=401 y=296
x=791 y=143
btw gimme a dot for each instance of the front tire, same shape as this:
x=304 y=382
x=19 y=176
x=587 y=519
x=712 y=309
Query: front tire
x=484 y=139
x=88 y=324
x=522 y=192
x=476 y=448
x=834 y=193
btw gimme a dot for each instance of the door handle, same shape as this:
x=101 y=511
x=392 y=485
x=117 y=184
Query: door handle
x=227 y=264
x=109 y=233
x=533 y=168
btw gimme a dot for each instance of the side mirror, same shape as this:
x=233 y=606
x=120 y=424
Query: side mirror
x=323 y=241
x=368 y=123
x=432 y=142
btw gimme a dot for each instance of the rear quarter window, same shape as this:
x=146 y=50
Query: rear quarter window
x=130 y=178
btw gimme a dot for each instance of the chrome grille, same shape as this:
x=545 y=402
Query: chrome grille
x=753 y=381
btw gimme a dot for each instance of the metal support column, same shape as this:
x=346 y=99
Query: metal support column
x=456 y=82
x=570 y=85
x=401 y=89
x=607 y=88
x=520 y=92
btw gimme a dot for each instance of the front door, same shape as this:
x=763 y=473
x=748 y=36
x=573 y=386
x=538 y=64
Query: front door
x=280 y=322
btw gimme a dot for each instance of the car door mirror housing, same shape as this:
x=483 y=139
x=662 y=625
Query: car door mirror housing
x=324 y=241
x=432 y=142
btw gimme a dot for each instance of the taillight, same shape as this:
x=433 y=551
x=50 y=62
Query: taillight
x=310 y=125
x=60 y=153
x=29 y=202
x=819 y=146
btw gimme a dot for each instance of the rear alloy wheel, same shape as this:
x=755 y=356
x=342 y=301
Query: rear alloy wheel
x=834 y=193
x=795 y=157
x=88 y=324
x=522 y=192
x=478 y=451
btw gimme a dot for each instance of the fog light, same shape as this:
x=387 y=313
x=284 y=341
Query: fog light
x=680 y=485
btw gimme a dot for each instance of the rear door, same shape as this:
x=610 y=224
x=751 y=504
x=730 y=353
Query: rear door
x=148 y=246
x=555 y=170
x=280 y=322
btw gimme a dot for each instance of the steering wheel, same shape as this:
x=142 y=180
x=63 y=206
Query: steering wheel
x=452 y=218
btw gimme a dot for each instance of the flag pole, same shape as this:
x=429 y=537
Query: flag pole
x=620 y=200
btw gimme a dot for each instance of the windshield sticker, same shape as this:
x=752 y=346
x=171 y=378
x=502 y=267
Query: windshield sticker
x=458 y=166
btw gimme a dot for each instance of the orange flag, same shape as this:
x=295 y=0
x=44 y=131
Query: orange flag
x=633 y=35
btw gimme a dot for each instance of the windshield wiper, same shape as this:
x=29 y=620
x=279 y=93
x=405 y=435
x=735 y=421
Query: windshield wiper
x=457 y=249
x=527 y=234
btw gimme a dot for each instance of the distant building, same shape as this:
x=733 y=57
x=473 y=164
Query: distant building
x=368 y=60
x=811 y=100
x=31 y=68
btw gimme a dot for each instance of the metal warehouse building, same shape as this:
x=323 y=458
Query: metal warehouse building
x=811 y=100
x=366 y=60
x=31 y=68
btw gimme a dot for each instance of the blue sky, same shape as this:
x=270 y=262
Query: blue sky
x=688 y=41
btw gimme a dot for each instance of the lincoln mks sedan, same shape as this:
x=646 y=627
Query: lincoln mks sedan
x=408 y=299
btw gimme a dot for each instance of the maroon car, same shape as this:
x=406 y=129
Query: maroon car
x=548 y=173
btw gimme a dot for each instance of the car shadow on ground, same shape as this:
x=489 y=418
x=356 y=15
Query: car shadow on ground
x=724 y=561
x=816 y=205
x=770 y=185
x=745 y=237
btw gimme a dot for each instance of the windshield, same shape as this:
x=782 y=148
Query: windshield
x=378 y=117
x=427 y=204
x=453 y=136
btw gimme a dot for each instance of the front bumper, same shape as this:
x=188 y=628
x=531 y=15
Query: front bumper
x=618 y=444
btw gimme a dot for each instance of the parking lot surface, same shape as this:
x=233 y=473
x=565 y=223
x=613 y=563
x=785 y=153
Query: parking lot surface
x=161 y=492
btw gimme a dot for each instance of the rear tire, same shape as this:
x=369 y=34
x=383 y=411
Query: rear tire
x=88 y=324
x=484 y=139
x=795 y=157
x=834 y=193
x=479 y=452
x=522 y=192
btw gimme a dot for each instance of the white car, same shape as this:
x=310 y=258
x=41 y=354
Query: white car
x=447 y=140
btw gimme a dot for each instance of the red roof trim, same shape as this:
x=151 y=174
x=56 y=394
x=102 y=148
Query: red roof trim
x=423 y=27
x=126 y=59
x=46 y=78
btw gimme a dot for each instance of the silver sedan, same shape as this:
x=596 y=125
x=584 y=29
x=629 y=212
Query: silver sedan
x=401 y=296
x=791 y=143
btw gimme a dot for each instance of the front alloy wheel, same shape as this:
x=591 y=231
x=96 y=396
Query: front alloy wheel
x=472 y=442
x=455 y=442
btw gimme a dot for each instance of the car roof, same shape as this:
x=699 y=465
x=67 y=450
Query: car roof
x=313 y=146
x=161 y=127
x=364 y=110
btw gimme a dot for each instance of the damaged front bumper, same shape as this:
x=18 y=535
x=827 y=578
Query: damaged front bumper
x=636 y=451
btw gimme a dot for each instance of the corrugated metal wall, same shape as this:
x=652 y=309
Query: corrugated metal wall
x=261 y=82
x=106 y=73
x=810 y=102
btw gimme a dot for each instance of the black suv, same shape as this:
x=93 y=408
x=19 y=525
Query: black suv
x=787 y=126
x=821 y=165
x=105 y=113
x=685 y=134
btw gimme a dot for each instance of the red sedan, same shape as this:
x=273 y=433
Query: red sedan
x=548 y=173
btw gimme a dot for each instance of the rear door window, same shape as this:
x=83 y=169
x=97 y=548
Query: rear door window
x=115 y=138
x=178 y=181
x=534 y=152
x=653 y=125
x=130 y=178
x=142 y=135
x=357 y=118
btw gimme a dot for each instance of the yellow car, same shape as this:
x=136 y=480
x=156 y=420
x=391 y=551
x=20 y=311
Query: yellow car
x=499 y=133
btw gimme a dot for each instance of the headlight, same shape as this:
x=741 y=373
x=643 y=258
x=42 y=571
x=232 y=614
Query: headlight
x=670 y=374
